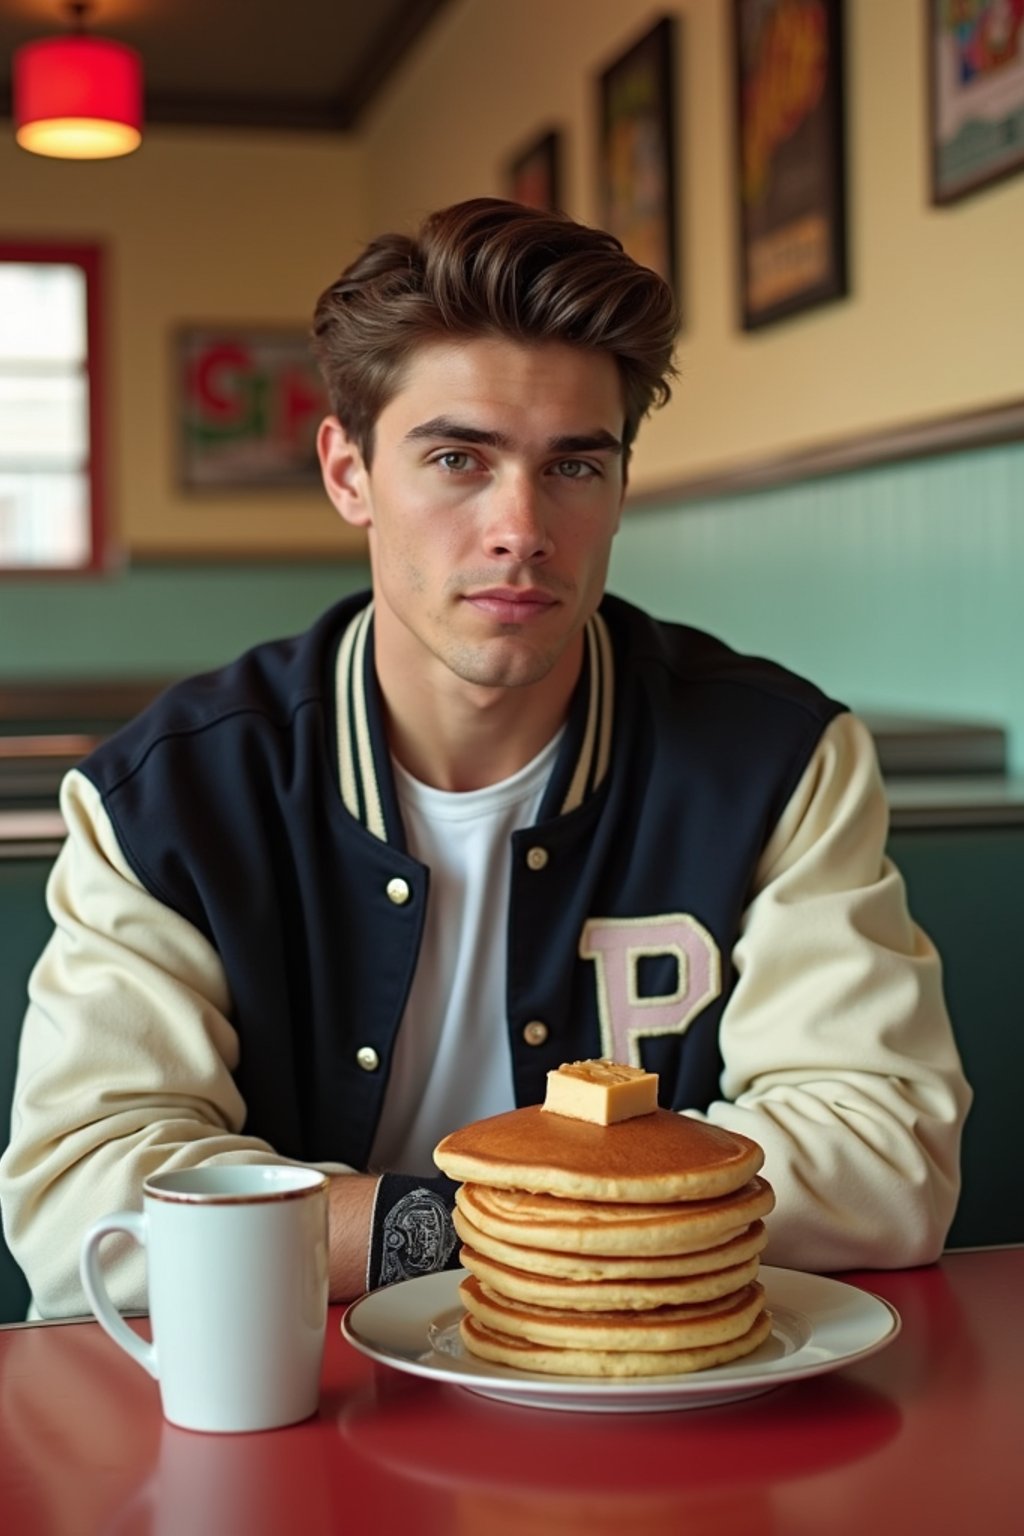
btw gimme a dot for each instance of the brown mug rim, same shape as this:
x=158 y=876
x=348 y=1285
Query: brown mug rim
x=200 y=1197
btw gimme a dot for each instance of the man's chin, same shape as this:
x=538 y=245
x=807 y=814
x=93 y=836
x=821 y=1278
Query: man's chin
x=502 y=665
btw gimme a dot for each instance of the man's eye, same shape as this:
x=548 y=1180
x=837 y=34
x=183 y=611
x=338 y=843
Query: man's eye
x=574 y=469
x=454 y=461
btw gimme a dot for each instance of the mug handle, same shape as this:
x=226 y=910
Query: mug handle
x=133 y=1223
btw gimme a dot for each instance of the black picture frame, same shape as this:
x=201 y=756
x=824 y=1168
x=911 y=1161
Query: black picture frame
x=790 y=157
x=637 y=191
x=533 y=173
x=975 y=97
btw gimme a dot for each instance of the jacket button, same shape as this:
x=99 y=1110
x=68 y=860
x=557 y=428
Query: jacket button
x=537 y=858
x=398 y=891
x=367 y=1058
x=536 y=1032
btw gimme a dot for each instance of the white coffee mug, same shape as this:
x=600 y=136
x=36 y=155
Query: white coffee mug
x=236 y=1260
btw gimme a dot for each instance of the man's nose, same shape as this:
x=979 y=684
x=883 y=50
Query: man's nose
x=517 y=528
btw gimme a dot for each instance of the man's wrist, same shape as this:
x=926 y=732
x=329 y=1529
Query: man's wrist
x=350 y=1205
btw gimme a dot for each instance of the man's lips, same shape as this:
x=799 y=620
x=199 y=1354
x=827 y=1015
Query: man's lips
x=511 y=605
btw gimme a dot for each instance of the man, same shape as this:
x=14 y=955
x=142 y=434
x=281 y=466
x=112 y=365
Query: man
x=371 y=883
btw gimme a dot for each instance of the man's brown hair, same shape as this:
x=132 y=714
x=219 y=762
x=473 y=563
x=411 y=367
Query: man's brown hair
x=491 y=268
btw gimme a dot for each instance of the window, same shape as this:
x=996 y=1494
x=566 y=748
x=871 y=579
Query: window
x=50 y=502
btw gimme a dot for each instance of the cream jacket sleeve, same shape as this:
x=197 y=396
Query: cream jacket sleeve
x=125 y=1066
x=838 y=1053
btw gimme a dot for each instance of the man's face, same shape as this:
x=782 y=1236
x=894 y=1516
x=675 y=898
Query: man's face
x=495 y=492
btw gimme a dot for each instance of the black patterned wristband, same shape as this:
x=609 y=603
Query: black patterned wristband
x=411 y=1232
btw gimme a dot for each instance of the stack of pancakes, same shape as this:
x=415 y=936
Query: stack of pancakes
x=608 y=1250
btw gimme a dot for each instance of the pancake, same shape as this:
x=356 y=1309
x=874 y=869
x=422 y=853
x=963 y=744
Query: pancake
x=523 y=1355
x=681 y=1327
x=658 y=1157
x=573 y=1266
x=606 y=1295
x=606 y=1244
x=589 y=1226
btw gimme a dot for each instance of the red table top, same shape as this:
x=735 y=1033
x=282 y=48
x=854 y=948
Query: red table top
x=927 y=1435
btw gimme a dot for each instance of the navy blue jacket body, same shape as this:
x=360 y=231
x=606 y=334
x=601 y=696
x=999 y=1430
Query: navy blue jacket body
x=229 y=803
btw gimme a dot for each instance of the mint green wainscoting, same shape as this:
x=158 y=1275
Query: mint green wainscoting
x=896 y=588
x=159 y=620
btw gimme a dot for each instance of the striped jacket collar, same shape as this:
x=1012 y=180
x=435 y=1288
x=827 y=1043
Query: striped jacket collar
x=364 y=766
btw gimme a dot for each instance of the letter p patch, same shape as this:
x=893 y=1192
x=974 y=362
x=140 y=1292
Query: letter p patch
x=617 y=945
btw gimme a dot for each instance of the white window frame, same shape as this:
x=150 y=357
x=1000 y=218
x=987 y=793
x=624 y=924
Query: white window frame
x=90 y=259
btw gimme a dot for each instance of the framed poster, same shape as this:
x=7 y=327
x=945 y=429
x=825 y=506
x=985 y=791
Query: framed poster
x=976 y=94
x=249 y=400
x=636 y=150
x=534 y=175
x=790 y=170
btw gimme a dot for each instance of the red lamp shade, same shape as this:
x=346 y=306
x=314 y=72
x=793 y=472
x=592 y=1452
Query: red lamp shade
x=78 y=98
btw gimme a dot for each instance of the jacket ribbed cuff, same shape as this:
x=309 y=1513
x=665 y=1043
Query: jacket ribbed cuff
x=411 y=1231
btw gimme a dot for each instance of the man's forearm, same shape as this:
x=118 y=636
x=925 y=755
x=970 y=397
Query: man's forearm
x=350 y=1208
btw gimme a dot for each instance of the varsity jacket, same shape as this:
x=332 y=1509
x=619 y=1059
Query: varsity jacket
x=704 y=894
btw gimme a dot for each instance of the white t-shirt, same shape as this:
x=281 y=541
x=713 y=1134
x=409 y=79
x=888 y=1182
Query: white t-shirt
x=452 y=1062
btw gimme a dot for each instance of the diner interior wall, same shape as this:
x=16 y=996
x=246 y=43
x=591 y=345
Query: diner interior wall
x=160 y=621
x=201 y=227
x=197 y=227
x=932 y=325
x=897 y=586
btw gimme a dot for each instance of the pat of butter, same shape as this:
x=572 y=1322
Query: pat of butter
x=603 y=1092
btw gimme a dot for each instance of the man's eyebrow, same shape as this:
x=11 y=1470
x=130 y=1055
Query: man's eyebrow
x=586 y=442
x=457 y=431
x=446 y=427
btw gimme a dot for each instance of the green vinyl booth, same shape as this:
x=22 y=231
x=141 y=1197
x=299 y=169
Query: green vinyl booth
x=24 y=928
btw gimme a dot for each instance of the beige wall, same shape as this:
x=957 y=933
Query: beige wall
x=934 y=324
x=202 y=227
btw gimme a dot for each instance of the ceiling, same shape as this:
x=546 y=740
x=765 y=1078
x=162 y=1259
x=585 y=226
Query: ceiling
x=307 y=64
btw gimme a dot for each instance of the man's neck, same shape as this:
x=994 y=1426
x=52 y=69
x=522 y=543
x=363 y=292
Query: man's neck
x=458 y=736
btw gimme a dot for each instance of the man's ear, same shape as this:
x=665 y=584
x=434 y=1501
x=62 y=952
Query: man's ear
x=345 y=476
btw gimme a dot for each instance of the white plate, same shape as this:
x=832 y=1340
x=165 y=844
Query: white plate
x=818 y=1325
